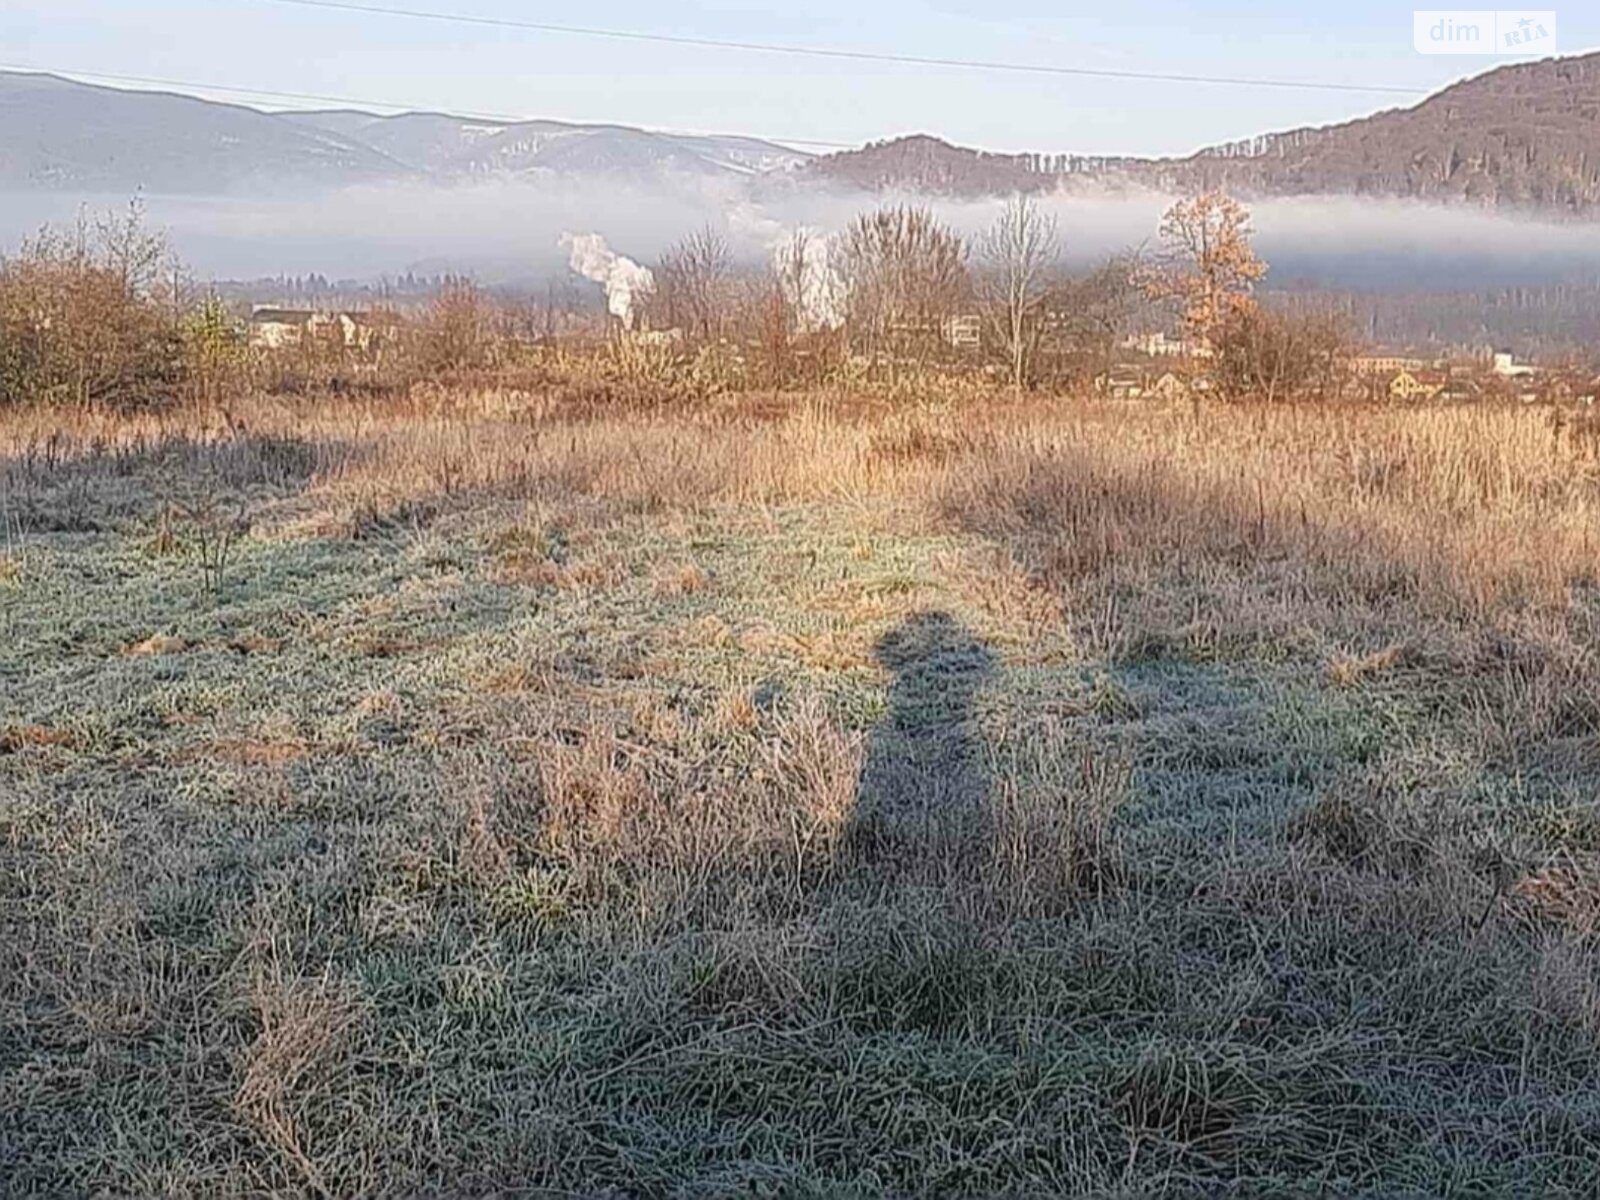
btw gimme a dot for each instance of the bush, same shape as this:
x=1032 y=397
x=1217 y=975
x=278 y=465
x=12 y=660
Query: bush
x=1272 y=356
x=80 y=324
x=457 y=332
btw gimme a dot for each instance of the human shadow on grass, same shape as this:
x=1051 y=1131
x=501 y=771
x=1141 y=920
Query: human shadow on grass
x=921 y=805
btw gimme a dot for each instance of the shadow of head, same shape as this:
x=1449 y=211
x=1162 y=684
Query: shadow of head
x=938 y=666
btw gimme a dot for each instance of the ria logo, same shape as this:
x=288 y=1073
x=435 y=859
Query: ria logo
x=1483 y=31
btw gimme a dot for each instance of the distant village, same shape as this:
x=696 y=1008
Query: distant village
x=1150 y=364
x=1154 y=364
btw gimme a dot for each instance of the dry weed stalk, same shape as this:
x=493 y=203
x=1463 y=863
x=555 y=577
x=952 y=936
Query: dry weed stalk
x=301 y=1020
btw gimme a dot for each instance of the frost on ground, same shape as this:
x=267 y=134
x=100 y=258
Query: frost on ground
x=1042 y=799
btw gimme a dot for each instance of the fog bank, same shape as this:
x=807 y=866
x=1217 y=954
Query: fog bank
x=512 y=233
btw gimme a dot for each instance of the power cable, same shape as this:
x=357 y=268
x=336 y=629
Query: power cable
x=839 y=52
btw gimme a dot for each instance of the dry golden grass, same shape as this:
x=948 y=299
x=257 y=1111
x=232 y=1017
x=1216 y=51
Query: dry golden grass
x=1466 y=508
x=968 y=796
x=15 y=737
x=681 y=579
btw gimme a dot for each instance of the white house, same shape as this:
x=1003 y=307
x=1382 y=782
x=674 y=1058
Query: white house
x=275 y=328
x=1507 y=367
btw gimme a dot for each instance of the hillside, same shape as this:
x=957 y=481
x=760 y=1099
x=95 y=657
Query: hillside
x=1521 y=136
x=463 y=147
x=61 y=135
x=921 y=163
x=1524 y=136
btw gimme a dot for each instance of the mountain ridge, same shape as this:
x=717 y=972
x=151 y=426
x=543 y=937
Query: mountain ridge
x=59 y=134
x=1523 y=135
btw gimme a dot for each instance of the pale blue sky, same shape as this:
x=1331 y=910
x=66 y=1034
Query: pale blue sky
x=251 y=43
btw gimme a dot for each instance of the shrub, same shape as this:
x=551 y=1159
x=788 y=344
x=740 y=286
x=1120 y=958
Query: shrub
x=1272 y=356
x=80 y=323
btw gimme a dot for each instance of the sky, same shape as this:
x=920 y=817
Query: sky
x=412 y=63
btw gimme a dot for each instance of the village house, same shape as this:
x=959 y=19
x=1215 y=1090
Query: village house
x=1120 y=385
x=1564 y=386
x=963 y=332
x=280 y=328
x=1506 y=366
x=657 y=337
x=1158 y=345
x=1171 y=386
x=1460 y=389
x=1417 y=385
x=1386 y=364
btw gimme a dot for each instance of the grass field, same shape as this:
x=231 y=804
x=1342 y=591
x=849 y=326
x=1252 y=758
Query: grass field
x=469 y=797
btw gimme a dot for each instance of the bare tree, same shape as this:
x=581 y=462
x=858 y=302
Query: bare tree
x=138 y=256
x=903 y=272
x=694 y=284
x=80 y=320
x=1086 y=314
x=809 y=281
x=457 y=330
x=799 y=308
x=1272 y=356
x=1017 y=256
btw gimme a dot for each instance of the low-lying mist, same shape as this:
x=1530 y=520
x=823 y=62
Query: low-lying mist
x=511 y=233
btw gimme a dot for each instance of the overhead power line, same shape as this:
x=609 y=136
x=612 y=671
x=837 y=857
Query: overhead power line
x=837 y=52
x=313 y=97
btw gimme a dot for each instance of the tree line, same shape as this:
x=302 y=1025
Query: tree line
x=100 y=315
x=895 y=279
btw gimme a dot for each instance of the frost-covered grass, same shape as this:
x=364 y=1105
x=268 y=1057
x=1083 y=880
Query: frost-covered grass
x=849 y=802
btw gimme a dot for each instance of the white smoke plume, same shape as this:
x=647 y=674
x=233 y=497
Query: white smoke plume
x=806 y=261
x=803 y=257
x=623 y=279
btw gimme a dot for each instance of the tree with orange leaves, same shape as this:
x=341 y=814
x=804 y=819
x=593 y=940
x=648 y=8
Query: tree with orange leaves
x=1206 y=263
